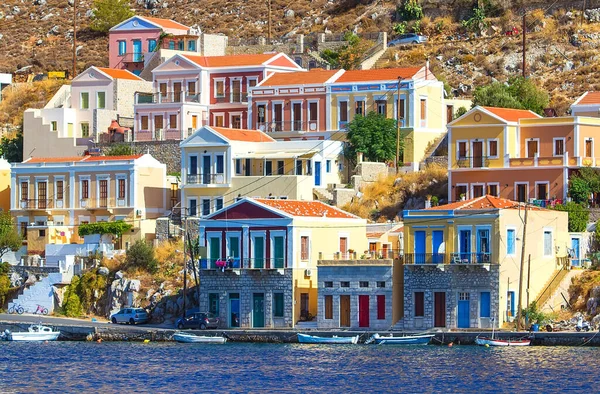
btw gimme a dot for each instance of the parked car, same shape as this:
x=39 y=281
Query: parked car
x=410 y=38
x=130 y=316
x=202 y=320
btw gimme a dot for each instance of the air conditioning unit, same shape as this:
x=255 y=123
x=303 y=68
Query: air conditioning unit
x=59 y=203
x=83 y=203
x=312 y=126
x=308 y=272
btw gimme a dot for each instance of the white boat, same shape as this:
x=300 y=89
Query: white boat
x=35 y=332
x=304 y=338
x=422 y=339
x=484 y=341
x=193 y=338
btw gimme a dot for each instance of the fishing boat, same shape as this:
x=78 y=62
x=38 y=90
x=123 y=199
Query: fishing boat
x=483 y=341
x=305 y=338
x=193 y=338
x=422 y=339
x=35 y=332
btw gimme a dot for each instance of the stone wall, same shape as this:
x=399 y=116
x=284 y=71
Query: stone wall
x=214 y=44
x=246 y=283
x=124 y=95
x=166 y=152
x=371 y=271
x=453 y=279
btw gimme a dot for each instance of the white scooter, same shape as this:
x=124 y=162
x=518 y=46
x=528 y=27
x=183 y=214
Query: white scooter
x=582 y=325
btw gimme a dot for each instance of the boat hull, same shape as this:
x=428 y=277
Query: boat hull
x=406 y=340
x=191 y=338
x=502 y=342
x=33 y=336
x=304 y=338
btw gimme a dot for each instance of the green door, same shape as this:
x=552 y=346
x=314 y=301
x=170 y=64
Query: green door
x=234 y=251
x=259 y=252
x=278 y=252
x=215 y=252
x=258 y=310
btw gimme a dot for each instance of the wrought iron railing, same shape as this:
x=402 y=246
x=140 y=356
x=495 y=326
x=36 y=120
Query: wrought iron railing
x=447 y=258
x=34 y=203
x=243 y=263
x=473 y=162
x=205 y=179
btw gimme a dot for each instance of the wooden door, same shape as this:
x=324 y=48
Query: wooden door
x=258 y=310
x=177 y=92
x=42 y=195
x=449 y=113
x=363 y=311
x=344 y=311
x=103 y=193
x=344 y=247
x=588 y=148
x=297 y=110
x=532 y=148
x=477 y=154
x=439 y=305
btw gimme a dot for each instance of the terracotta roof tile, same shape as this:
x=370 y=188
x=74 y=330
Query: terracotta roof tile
x=482 y=203
x=590 y=98
x=382 y=74
x=119 y=74
x=167 y=23
x=512 y=115
x=299 y=78
x=231 y=60
x=70 y=159
x=307 y=208
x=243 y=135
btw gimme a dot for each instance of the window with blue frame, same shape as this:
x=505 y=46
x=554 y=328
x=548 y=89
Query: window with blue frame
x=510 y=241
x=192 y=46
x=328 y=166
x=122 y=48
x=171 y=44
x=151 y=45
x=464 y=239
x=180 y=45
x=483 y=245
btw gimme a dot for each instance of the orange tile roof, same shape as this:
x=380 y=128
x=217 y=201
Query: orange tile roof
x=79 y=159
x=112 y=158
x=482 y=203
x=512 y=115
x=231 y=60
x=299 y=78
x=167 y=23
x=382 y=74
x=119 y=74
x=590 y=98
x=307 y=208
x=243 y=134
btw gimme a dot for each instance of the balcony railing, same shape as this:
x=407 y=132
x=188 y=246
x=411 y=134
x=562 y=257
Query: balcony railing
x=233 y=98
x=378 y=254
x=167 y=97
x=243 y=263
x=294 y=125
x=132 y=58
x=37 y=203
x=102 y=203
x=447 y=258
x=473 y=162
x=205 y=179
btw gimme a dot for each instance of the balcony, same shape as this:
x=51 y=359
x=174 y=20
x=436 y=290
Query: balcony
x=132 y=58
x=288 y=126
x=205 y=179
x=447 y=258
x=473 y=162
x=380 y=254
x=37 y=204
x=243 y=263
x=167 y=97
x=233 y=98
x=103 y=203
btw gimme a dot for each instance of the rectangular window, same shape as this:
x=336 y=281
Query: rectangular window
x=193 y=205
x=419 y=304
x=484 y=304
x=252 y=82
x=122 y=48
x=213 y=303
x=219 y=88
x=328 y=166
x=42 y=233
x=85 y=189
x=23 y=228
x=121 y=185
x=344 y=284
x=510 y=303
x=192 y=46
x=219 y=203
x=462 y=150
x=510 y=241
x=493 y=148
x=327 y=284
x=162 y=88
x=364 y=284
x=559 y=147
x=180 y=45
x=205 y=206
x=172 y=44
x=304 y=240
x=477 y=190
x=381 y=107
x=278 y=305
x=298 y=167
x=100 y=100
x=53 y=125
x=402 y=108
x=24 y=190
x=85 y=100
x=423 y=109
x=280 y=167
x=328 y=306
x=588 y=147
x=85 y=130
x=493 y=190
x=261 y=114
x=547 y=243
x=158 y=122
x=359 y=108
x=151 y=45
x=381 y=284
x=220 y=164
x=191 y=87
x=144 y=123
x=542 y=191
x=343 y=111
x=381 y=307
x=522 y=192
x=173 y=121
x=59 y=190
x=238 y=166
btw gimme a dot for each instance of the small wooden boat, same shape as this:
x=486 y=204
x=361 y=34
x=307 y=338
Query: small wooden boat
x=422 y=339
x=483 y=341
x=304 y=338
x=35 y=332
x=193 y=338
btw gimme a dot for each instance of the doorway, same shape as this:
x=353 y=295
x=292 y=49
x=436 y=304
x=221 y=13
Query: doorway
x=439 y=306
x=234 y=310
x=317 y=173
x=345 y=311
x=477 y=154
x=258 y=310
x=463 y=310
x=304 y=306
x=363 y=311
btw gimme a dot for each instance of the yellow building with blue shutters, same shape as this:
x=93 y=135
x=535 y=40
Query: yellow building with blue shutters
x=462 y=260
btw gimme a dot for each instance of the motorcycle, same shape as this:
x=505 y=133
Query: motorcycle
x=582 y=325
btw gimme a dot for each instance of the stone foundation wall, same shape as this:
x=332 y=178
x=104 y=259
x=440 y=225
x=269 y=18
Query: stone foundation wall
x=166 y=152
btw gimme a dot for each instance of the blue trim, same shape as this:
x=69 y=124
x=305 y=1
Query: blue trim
x=141 y=24
x=436 y=226
x=420 y=226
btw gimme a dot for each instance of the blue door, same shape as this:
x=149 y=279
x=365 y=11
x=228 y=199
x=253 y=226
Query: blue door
x=437 y=241
x=137 y=51
x=465 y=245
x=484 y=304
x=510 y=307
x=317 y=173
x=420 y=247
x=463 y=310
x=575 y=254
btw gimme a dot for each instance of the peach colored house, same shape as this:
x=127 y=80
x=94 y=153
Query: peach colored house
x=587 y=105
x=516 y=154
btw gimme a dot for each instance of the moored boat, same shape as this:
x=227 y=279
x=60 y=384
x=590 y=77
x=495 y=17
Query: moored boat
x=35 y=332
x=305 y=338
x=422 y=339
x=483 y=341
x=193 y=338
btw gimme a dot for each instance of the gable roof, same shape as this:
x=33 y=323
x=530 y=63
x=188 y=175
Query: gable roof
x=119 y=74
x=166 y=23
x=510 y=114
x=70 y=159
x=243 y=134
x=482 y=203
x=299 y=208
x=381 y=74
x=314 y=76
x=588 y=98
x=231 y=60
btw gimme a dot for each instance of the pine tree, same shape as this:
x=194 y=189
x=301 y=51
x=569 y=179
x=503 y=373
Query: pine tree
x=109 y=13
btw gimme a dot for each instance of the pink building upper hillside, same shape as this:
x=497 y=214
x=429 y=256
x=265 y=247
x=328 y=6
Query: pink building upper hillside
x=136 y=44
x=292 y=105
x=193 y=91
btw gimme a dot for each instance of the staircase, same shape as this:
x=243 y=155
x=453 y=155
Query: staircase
x=551 y=300
x=41 y=293
x=321 y=63
x=433 y=148
x=323 y=195
x=372 y=56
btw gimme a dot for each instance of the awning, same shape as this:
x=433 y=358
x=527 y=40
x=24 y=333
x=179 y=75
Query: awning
x=290 y=154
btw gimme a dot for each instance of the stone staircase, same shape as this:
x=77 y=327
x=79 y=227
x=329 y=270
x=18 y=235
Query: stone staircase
x=552 y=299
x=429 y=154
x=372 y=56
x=41 y=293
x=323 y=195
x=321 y=63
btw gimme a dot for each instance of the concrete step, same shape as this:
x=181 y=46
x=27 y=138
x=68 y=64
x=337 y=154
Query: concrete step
x=555 y=301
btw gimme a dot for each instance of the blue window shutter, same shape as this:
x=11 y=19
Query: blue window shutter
x=510 y=241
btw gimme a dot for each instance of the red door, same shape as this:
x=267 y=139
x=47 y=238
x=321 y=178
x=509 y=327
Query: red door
x=363 y=311
x=439 y=305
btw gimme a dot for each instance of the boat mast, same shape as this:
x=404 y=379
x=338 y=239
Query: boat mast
x=521 y=270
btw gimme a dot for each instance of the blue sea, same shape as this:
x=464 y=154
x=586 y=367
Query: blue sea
x=92 y=367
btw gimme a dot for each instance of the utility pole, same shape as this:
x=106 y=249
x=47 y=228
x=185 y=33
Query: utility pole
x=528 y=276
x=398 y=128
x=269 y=35
x=184 y=260
x=520 y=305
x=74 y=39
x=582 y=13
x=524 y=47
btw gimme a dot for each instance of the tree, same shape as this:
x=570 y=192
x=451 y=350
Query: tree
x=332 y=57
x=119 y=150
x=12 y=148
x=350 y=56
x=4 y=282
x=141 y=254
x=10 y=239
x=109 y=13
x=583 y=184
x=374 y=135
x=520 y=93
x=410 y=10
x=578 y=216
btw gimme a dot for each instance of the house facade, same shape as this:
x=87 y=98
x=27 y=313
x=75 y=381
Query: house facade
x=518 y=155
x=259 y=267
x=588 y=104
x=462 y=260
x=51 y=197
x=192 y=91
x=77 y=114
x=221 y=165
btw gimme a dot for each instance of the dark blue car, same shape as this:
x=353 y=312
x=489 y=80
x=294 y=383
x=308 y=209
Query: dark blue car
x=201 y=320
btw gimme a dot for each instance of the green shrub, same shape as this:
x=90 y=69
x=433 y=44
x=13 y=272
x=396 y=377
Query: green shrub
x=71 y=306
x=141 y=255
x=410 y=10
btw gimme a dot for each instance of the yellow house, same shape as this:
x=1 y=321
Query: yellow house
x=4 y=185
x=462 y=261
x=261 y=258
x=51 y=197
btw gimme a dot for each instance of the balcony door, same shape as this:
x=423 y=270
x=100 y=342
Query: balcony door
x=464 y=239
x=532 y=148
x=477 y=154
x=278 y=117
x=420 y=242
x=42 y=195
x=278 y=252
x=437 y=240
x=176 y=92
x=236 y=91
x=206 y=170
x=297 y=116
x=483 y=245
x=344 y=247
x=103 y=185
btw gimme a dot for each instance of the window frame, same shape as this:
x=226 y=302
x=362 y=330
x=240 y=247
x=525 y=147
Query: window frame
x=514 y=242
x=554 y=150
x=81 y=100
x=489 y=144
x=419 y=304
